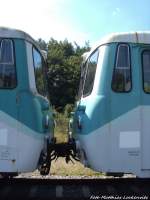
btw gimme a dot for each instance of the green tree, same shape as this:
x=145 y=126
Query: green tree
x=42 y=44
x=64 y=60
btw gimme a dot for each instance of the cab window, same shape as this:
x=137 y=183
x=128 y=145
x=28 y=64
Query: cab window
x=39 y=72
x=146 y=70
x=8 y=78
x=90 y=73
x=121 y=81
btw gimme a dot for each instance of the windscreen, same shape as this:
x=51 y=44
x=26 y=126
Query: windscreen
x=8 y=77
x=88 y=69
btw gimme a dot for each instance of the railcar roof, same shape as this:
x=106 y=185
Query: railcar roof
x=131 y=37
x=128 y=37
x=14 y=33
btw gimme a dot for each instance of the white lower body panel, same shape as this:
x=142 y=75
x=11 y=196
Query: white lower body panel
x=119 y=146
x=20 y=147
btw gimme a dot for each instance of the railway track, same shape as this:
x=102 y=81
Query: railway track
x=39 y=189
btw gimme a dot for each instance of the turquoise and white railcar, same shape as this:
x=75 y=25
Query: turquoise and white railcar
x=112 y=117
x=26 y=122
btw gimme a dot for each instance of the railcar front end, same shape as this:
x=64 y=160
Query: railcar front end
x=111 y=119
x=26 y=121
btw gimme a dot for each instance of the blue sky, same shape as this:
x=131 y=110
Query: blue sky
x=76 y=20
x=101 y=17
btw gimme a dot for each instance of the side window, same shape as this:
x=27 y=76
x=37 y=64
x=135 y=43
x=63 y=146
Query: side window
x=8 y=77
x=146 y=70
x=90 y=73
x=39 y=72
x=121 y=81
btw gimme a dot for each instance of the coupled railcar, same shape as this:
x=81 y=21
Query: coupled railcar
x=26 y=120
x=111 y=122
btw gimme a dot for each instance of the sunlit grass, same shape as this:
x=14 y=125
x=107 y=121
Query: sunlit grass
x=60 y=167
x=61 y=128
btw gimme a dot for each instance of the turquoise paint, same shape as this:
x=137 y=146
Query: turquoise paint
x=29 y=111
x=108 y=105
x=21 y=64
x=8 y=96
x=32 y=107
x=94 y=115
x=21 y=104
x=8 y=102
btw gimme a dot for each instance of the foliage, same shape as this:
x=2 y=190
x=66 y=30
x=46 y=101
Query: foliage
x=64 y=60
x=62 y=120
x=42 y=44
x=68 y=109
x=61 y=129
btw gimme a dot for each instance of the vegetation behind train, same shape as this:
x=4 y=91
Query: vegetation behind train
x=64 y=60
